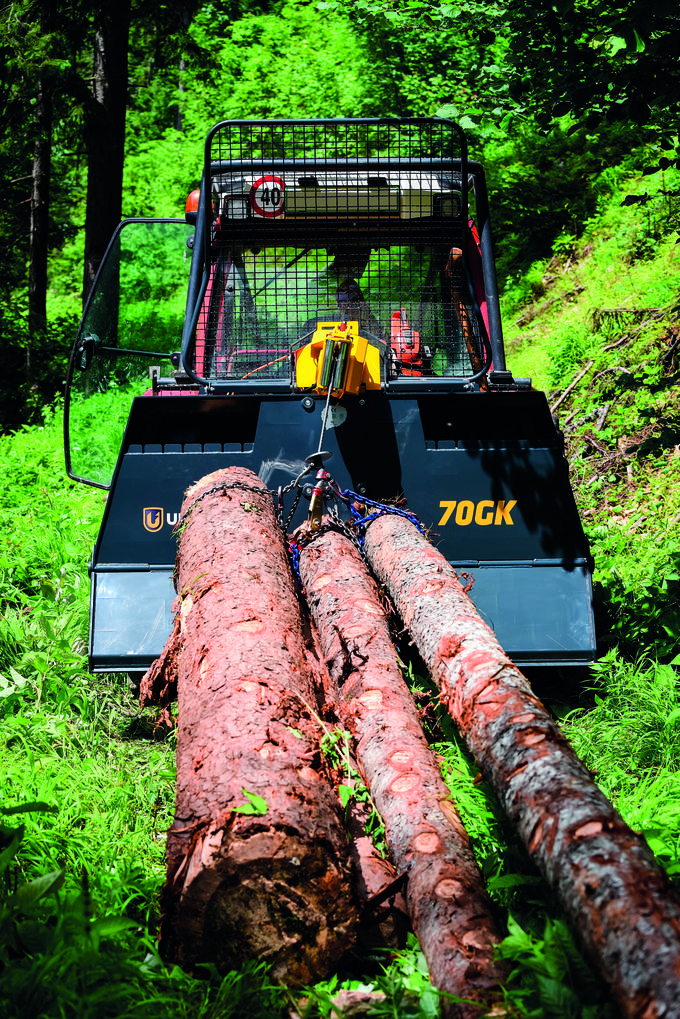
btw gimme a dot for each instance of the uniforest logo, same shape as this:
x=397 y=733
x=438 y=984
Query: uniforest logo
x=153 y=518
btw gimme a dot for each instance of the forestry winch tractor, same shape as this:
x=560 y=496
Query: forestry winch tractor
x=327 y=315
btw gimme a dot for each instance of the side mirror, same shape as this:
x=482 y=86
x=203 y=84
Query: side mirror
x=85 y=352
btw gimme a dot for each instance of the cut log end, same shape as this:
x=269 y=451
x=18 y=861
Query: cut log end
x=271 y=896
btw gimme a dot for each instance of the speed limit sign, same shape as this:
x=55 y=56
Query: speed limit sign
x=266 y=196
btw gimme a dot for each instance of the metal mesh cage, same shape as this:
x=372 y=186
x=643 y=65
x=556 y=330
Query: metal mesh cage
x=320 y=221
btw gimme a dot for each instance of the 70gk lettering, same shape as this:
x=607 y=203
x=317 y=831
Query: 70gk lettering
x=483 y=513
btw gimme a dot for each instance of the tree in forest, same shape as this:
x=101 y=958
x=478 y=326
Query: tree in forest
x=105 y=131
x=37 y=46
x=64 y=86
x=33 y=40
x=40 y=196
x=593 y=59
x=162 y=27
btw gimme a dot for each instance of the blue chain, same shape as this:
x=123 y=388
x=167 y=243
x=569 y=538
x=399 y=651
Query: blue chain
x=358 y=522
x=294 y=554
x=380 y=509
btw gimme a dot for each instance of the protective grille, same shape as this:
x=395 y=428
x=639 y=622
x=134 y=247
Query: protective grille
x=328 y=221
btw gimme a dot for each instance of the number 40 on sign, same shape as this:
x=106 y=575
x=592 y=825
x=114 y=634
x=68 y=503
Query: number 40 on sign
x=266 y=196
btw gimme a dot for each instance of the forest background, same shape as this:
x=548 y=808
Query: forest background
x=106 y=106
x=573 y=108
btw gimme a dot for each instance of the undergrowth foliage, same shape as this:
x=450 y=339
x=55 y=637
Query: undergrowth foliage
x=87 y=782
x=629 y=739
x=86 y=787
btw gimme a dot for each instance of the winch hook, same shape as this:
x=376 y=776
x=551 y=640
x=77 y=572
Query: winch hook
x=320 y=490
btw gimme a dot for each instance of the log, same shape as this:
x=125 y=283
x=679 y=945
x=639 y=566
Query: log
x=450 y=912
x=240 y=884
x=604 y=874
x=383 y=921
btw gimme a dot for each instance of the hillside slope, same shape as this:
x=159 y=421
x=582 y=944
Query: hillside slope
x=602 y=337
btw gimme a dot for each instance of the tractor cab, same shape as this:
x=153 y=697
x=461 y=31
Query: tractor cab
x=331 y=288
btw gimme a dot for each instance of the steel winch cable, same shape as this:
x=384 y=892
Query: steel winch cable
x=324 y=418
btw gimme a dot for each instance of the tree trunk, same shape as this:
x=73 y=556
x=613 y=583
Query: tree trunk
x=105 y=132
x=240 y=885
x=449 y=910
x=604 y=874
x=39 y=229
x=38 y=242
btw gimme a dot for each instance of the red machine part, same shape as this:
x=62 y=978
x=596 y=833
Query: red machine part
x=474 y=254
x=191 y=207
x=405 y=343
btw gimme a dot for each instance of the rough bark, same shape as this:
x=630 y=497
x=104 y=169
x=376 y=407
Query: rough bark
x=383 y=919
x=275 y=886
x=604 y=874
x=105 y=132
x=449 y=910
x=383 y=922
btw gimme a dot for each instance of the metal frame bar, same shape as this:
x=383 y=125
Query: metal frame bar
x=459 y=166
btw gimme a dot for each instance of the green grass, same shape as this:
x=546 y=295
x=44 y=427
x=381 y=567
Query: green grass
x=625 y=259
x=629 y=739
x=81 y=870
